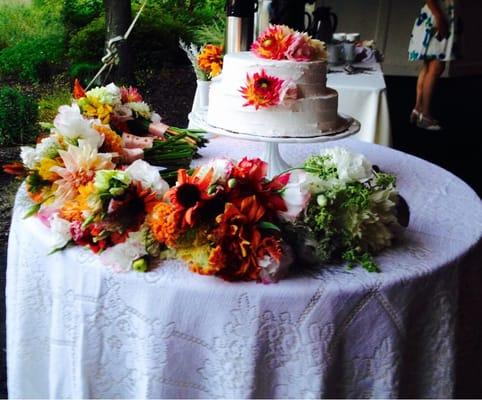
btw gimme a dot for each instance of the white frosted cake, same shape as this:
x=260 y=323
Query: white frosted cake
x=305 y=108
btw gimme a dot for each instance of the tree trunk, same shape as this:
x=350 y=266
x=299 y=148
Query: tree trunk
x=118 y=17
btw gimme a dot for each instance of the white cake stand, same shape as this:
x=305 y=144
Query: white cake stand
x=347 y=126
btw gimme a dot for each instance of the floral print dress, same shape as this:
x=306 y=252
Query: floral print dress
x=424 y=44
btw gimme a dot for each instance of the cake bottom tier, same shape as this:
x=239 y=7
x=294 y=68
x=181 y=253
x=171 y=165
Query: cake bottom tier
x=299 y=118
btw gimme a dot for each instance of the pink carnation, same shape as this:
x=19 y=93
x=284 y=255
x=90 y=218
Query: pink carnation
x=301 y=49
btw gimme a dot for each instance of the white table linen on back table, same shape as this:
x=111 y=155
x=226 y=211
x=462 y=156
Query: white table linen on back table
x=362 y=96
x=76 y=329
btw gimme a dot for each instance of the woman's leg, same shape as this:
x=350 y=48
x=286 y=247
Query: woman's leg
x=420 y=80
x=434 y=69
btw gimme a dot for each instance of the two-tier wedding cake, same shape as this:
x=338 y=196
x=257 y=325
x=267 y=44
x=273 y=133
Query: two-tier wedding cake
x=276 y=89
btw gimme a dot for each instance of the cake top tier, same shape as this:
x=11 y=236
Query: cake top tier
x=279 y=42
x=310 y=76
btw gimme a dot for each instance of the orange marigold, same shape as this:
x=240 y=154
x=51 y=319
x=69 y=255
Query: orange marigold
x=163 y=221
x=112 y=141
x=210 y=60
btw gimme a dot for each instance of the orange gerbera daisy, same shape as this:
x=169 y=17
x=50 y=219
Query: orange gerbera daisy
x=262 y=90
x=210 y=60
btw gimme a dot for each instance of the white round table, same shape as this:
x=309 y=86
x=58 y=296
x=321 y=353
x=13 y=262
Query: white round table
x=76 y=329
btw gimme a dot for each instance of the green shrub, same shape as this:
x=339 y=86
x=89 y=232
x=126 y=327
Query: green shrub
x=19 y=22
x=155 y=39
x=84 y=72
x=48 y=105
x=32 y=59
x=18 y=117
x=79 y=13
x=87 y=45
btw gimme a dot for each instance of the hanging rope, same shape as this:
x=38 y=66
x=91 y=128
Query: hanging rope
x=111 y=57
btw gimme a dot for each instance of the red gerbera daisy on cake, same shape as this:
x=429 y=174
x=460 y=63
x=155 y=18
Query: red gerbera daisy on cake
x=273 y=42
x=262 y=90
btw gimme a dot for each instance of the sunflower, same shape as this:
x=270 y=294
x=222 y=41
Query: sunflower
x=191 y=196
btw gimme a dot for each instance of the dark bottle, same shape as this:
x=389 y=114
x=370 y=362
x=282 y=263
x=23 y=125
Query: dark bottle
x=239 y=25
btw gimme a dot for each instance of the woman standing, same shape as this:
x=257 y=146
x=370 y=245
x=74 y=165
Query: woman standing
x=432 y=42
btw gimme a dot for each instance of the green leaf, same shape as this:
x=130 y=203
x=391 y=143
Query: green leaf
x=32 y=210
x=268 y=225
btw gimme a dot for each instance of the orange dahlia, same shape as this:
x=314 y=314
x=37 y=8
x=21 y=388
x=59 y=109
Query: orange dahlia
x=112 y=141
x=262 y=90
x=273 y=42
x=210 y=60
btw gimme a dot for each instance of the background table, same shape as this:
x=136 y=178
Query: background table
x=75 y=329
x=362 y=96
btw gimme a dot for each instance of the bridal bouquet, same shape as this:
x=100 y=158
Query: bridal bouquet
x=223 y=219
x=140 y=132
x=354 y=210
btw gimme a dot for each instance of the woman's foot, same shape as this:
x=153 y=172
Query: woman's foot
x=414 y=116
x=428 y=123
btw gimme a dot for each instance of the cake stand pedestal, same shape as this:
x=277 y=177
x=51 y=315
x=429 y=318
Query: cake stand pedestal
x=347 y=126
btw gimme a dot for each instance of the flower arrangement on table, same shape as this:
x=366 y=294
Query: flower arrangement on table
x=207 y=60
x=224 y=218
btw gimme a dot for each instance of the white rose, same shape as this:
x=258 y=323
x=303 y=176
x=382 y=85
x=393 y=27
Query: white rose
x=351 y=167
x=70 y=123
x=60 y=229
x=221 y=167
x=121 y=256
x=148 y=176
x=295 y=195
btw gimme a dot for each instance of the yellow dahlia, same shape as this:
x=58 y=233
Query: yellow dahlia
x=45 y=169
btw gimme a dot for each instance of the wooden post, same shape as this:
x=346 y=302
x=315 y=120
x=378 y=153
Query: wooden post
x=118 y=17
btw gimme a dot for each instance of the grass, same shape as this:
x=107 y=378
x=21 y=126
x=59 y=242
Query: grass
x=20 y=20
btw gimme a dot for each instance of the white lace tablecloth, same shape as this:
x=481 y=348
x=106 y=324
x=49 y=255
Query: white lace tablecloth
x=75 y=329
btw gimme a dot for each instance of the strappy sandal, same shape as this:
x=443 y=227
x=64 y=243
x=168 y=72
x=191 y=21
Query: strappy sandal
x=429 y=124
x=414 y=116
